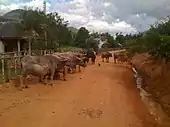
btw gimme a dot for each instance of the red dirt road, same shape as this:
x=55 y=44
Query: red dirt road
x=104 y=96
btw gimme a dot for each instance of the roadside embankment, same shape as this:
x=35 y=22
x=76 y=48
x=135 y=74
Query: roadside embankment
x=153 y=80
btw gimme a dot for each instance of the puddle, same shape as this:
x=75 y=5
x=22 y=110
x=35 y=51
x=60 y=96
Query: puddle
x=154 y=108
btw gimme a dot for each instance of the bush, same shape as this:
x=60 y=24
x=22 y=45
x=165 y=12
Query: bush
x=155 y=41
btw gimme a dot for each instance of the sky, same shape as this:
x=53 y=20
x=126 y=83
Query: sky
x=126 y=16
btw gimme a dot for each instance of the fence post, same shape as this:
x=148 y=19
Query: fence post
x=15 y=63
x=18 y=47
x=29 y=46
x=3 y=68
x=45 y=52
x=41 y=52
x=9 y=69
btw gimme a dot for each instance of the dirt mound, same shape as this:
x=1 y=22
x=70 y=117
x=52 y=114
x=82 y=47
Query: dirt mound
x=155 y=75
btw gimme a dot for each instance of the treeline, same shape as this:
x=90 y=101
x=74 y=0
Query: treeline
x=155 y=41
x=54 y=30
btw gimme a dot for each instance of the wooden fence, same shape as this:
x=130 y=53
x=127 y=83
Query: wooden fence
x=10 y=63
x=110 y=49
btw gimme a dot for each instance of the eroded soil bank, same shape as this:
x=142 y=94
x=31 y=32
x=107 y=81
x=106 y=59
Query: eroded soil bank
x=156 y=82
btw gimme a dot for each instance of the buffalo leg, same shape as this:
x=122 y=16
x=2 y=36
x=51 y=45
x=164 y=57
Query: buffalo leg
x=69 y=70
x=23 y=80
x=79 y=69
x=72 y=70
x=87 y=60
x=41 y=78
x=53 y=70
x=56 y=75
x=64 y=73
x=102 y=59
x=107 y=60
x=93 y=60
x=114 y=60
x=45 y=82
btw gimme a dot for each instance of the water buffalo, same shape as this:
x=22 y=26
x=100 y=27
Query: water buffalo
x=83 y=56
x=37 y=66
x=73 y=60
x=90 y=54
x=60 y=64
x=120 y=57
x=106 y=55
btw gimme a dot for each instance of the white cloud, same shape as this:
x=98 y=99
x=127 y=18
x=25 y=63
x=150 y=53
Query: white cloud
x=80 y=13
x=3 y=1
x=106 y=4
x=34 y=4
x=103 y=26
x=103 y=15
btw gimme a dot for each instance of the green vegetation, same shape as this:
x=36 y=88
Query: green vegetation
x=39 y=28
x=155 y=41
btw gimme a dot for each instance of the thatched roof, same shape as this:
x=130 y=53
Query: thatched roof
x=10 y=29
x=8 y=24
x=15 y=14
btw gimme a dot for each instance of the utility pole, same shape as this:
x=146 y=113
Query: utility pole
x=45 y=32
x=44 y=6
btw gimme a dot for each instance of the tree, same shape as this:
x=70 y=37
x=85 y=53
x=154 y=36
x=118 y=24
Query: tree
x=92 y=42
x=120 y=38
x=55 y=27
x=111 y=43
x=95 y=35
x=81 y=37
x=155 y=41
x=105 y=45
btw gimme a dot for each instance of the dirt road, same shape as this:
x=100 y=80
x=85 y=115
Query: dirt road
x=104 y=96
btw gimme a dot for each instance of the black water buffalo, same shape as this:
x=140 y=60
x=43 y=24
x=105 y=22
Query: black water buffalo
x=90 y=54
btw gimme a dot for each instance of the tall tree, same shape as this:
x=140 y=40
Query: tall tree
x=81 y=37
x=55 y=27
x=92 y=42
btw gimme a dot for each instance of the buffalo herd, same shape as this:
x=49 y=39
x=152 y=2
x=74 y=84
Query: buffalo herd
x=48 y=67
x=119 y=57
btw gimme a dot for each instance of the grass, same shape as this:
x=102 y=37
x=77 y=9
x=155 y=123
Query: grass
x=9 y=75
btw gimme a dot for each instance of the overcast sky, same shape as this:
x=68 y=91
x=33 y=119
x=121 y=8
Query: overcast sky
x=127 y=16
